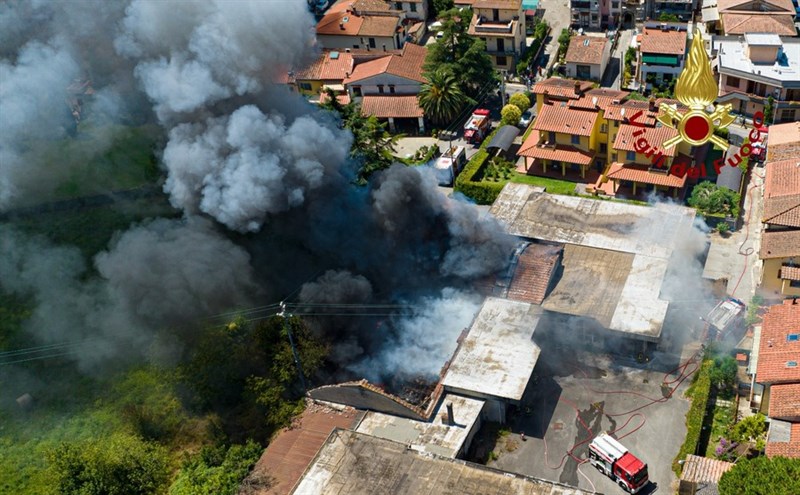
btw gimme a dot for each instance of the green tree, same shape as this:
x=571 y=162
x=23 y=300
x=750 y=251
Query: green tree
x=563 y=42
x=216 y=470
x=665 y=17
x=372 y=144
x=440 y=97
x=510 y=115
x=769 y=109
x=723 y=374
x=520 y=101
x=463 y=55
x=709 y=198
x=441 y=6
x=121 y=465
x=761 y=476
x=751 y=429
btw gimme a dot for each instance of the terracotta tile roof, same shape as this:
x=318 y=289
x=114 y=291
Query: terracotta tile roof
x=642 y=175
x=655 y=136
x=371 y=6
x=775 y=350
x=496 y=4
x=586 y=50
x=384 y=107
x=784 y=141
x=335 y=17
x=288 y=455
x=779 y=23
x=704 y=469
x=671 y=102
x=784 y=401
x=779 y=152
x=407 y=64
x=622 y=111
x=563 y=88
x=379 y=25
x=785 y=449
x=670 y=42
x=560 y=118
x=560 y=152
x=780 y=244
x=533 y=273
x=741 y=5
x=329 y=65
x=343 y=99
x=598 y=98
x=790 y=273
x=782 y=193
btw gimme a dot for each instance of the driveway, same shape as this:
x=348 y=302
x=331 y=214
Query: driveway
x=613 y=76
x=574 y=397
x=557 y=15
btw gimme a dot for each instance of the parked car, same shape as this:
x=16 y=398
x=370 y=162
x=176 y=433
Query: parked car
x=526 y=118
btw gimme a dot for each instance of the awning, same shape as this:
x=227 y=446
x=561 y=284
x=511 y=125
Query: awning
x=504 y=137
x=660 y=59
x=710 y=14
x=334 y=87
x=530 y=4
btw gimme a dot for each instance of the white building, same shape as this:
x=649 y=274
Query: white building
x=662 y=53
x=587 y=57
x=501 y=25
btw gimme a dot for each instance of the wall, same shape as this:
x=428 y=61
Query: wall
x=771 y=283
x=402 y=86
x=342 y=42
x=316 y=87
x=421 y=13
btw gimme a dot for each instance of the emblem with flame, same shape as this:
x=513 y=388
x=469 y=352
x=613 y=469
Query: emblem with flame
x=697 y=90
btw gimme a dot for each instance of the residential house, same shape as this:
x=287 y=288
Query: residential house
x=587 y=57
x=387 y=87
x=562 y=138
x=326 y=72
x=605 y=14
x=414 y=9
x=701 y=475
x=558 y=89
x=681 y=8
x=738 y=17
x=783 y=142
x=501 y=25
x=780 y=241
x=756 y=67
x=367 y=24
x=661 y=53
x=778 y=369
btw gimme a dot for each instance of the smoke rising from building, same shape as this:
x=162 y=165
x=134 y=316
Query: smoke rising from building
x=241 y=152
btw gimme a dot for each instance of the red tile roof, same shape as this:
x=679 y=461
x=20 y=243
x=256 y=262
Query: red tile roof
x=784 y=401
x=742 y=5
x=598 y=98
x=704 y=469
x=670 y=42
x=655 y=137
x=586 y=50
x=790 y=273
x=623 y=111
x=384 y=107
x=780 y=23
x=780 y=244
x=560 y=118
x=775 y=350
x=560 y=153
x=533 y=272
x=341 y=20
x=784 y=141
x=786 y=449
x=407 y=64
x=329 y=65
x=563 y=88
x=642 y=175
x=782 y=193
x=496 y=4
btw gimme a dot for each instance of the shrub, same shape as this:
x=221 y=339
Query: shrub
x=723 y=227
x=761 y=476
x=469 y=182
x=520 y=101
x=751 y=429
x=699 y=393
x=510 y=115
x=711 y=199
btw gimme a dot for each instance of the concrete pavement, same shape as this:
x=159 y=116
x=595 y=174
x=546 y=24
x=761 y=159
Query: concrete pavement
x=557 y=15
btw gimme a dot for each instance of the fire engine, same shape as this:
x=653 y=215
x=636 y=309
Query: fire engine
x=477 y=126
x=615 y=461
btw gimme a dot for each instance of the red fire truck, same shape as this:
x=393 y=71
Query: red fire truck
x=477 y=126
x=612 y=459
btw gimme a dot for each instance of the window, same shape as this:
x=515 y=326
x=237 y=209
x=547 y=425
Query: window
x=501 y=60
x=355 y=46
x=305 y=86
x=630 y=156
x=372 y=42
x=357 y=90
x=614 y=157
x=495 y=15
x=398 y=5
x=615 y=5
x=391 y=86
x=793 y=337
x=380 y=88
x=794 y=284
x=413 y=7
x=501 y=46
x=576 y=139
x=552 y=138
x=791 y=364
x=733 y=81
x=787 y=115
x=583 y=71
x=604 y=128
x=603 y=148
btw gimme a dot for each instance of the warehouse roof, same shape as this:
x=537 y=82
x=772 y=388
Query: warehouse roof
x=498 y=354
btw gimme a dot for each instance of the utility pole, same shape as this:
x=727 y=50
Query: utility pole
x=288 y=329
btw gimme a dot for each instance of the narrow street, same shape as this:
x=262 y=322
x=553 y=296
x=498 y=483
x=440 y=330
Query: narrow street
x=613 y=75
x=557 y=15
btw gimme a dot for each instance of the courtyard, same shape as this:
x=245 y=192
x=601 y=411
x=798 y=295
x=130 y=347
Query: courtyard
x=575 y=396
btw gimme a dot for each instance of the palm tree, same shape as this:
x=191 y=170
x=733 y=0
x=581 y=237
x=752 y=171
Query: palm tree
x=441 y=98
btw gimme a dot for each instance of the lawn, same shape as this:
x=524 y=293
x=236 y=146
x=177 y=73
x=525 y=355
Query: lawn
x=554 y=186
x=724 y=416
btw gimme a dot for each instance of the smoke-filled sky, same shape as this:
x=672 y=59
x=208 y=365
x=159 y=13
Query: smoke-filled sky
x=263 y=179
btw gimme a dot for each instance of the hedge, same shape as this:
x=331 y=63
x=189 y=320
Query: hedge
x=469 y=181
x=698 y=392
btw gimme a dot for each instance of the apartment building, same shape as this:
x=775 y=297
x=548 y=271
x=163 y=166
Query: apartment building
x=501 y=25
x=681 y=8
x=754 y=68
x=661 y=53
x=738 y=17
x=780 y=241
x=587 y=57
x=362 y=24
x=414 y=9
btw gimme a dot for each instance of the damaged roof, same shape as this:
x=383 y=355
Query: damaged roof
x=498 y=355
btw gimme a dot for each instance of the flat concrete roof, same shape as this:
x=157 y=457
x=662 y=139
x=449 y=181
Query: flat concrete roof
x=498 y=354
x=359 y=464
x=733 y=59
x=616 y=257
x=436 y=436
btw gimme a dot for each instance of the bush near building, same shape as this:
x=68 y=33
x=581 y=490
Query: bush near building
x=711 y=199
x=469 y=181
x=762 y=476
x=698 y=392
x=510 y=114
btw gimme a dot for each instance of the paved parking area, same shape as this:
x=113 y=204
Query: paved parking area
x=570 y=391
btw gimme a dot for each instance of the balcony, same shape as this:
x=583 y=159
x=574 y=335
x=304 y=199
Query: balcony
x=486 y=27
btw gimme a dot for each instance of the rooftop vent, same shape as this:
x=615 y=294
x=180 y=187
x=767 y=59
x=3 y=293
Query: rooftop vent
x=334 y=55
x=791 y=364
x=586 y=42
x=793 y=337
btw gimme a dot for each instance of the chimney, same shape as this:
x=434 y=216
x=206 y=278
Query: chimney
x=652 y=104
x=451 y=420
x=384 y=47
x=347 y=50
x=341 y=26
x=577 y=86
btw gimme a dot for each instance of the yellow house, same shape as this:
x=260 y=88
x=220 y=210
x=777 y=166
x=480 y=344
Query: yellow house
x=780 y=242
x=556 y=89
x=329 y=69
x=500 y=24
x=562 y=138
